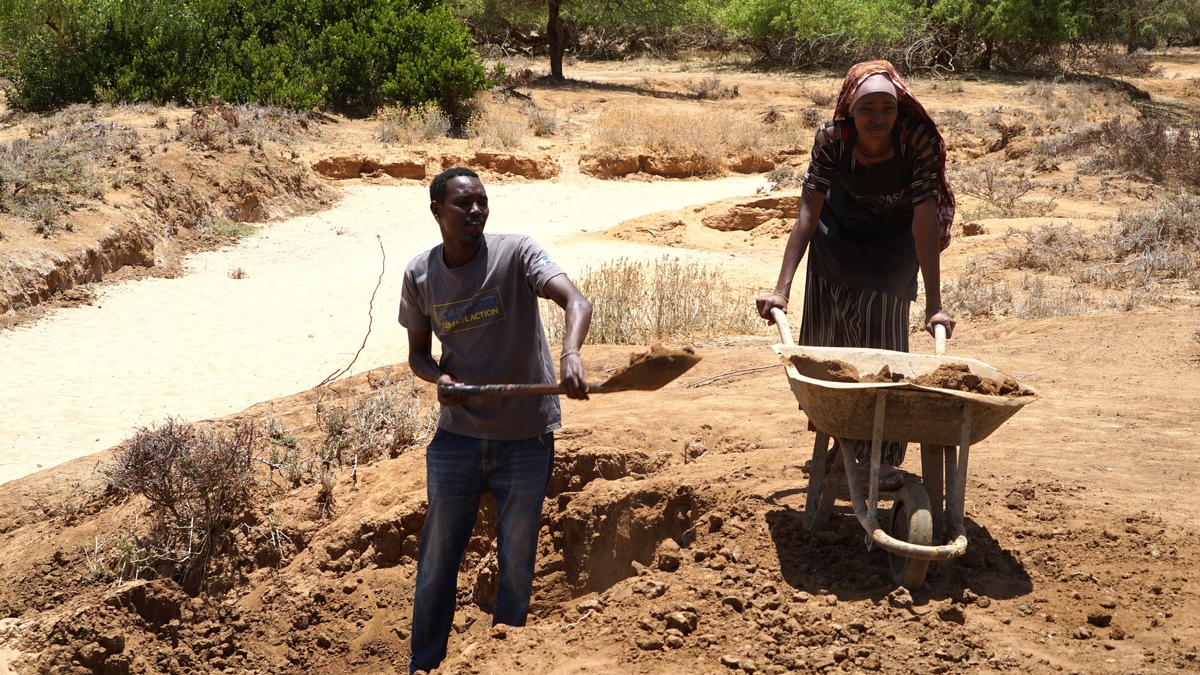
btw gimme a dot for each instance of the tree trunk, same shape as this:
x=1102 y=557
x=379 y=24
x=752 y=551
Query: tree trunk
x=557 y=40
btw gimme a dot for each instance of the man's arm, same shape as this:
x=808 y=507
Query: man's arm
x=578 y=319
x=423 y=365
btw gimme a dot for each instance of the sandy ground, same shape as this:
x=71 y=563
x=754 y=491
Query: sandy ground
x=206 y=345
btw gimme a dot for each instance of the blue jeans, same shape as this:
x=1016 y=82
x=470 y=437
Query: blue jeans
x=459 y=470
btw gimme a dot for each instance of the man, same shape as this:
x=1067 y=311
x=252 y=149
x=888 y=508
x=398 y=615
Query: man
x=479 y=294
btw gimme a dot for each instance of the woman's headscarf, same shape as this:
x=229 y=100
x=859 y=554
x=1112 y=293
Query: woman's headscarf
x=908 y=105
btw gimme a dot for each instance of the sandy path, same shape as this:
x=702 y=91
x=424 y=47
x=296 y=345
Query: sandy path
x=206 y=345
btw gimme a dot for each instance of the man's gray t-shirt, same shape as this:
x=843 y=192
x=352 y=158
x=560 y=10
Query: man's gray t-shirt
x=485 y=314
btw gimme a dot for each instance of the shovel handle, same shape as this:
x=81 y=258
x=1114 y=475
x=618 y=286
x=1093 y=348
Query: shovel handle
x=513 y=389
x=939 y=340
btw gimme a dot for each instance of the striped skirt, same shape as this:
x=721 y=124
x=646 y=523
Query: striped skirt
x=836 y=316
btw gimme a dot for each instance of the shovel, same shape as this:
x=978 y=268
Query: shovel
x=647 y=371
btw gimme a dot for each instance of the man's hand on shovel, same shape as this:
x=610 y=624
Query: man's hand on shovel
x=570 y=368
x=446 y=394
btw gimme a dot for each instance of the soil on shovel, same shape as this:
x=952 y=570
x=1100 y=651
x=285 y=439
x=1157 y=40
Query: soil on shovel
x=953 y=376
x=654 y=368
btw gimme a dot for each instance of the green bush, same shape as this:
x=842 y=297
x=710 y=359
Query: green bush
x=813 y=32
x=346 y=54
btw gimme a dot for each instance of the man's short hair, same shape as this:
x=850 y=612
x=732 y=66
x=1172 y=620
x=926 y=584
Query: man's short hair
x=439 y=187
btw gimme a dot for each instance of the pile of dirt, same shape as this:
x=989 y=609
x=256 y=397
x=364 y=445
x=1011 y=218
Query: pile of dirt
x=953 y=376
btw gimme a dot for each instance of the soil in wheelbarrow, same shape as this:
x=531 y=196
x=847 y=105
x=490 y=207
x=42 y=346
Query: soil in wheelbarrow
x=953 y=376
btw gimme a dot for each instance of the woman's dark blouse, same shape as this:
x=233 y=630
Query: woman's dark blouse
x=864 y=235
x=834 y=147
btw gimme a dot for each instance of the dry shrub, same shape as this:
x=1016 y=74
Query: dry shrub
x=665 y=299
x=1151 y=149
x=541 y=122
x=821 y=97
x=222 y=127
x=1002 y=189
x=1070 y=104
x=381 y=424
x=64 y=158
x=1042 y=301
x=1046 y=248
x=1159 y=243
x=973 y=294
x=198 y=486
x=710 y=88
x=1137 y=64
x=784 y=178
x=409 y=126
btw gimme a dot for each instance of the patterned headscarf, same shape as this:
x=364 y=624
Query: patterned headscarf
x=908 y=105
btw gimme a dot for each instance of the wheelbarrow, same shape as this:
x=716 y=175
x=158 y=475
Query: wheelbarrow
x=925 y=522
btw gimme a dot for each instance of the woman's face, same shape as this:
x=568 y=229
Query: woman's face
x=874 y=115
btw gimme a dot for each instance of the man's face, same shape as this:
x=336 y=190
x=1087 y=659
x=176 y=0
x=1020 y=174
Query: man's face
x=464 y=212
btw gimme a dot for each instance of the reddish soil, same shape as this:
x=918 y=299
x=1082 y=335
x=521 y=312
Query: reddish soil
x=673 y=538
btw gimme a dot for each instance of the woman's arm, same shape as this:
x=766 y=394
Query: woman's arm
x=811 y=203
x=928 y=236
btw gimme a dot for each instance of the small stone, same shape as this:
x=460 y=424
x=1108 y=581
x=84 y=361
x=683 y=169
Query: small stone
x=499 y=632
x=952 y=614
x=730 y=661
x=650 y=643
x=1082 y=633
x=1116 y=633
x=1108 y=603
x=323 y=642
x=1099 y=619
x=684 y=622
x=734 y=603
x=668 y=557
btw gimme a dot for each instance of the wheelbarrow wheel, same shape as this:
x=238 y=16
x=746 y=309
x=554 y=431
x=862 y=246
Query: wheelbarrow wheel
x=911 y=521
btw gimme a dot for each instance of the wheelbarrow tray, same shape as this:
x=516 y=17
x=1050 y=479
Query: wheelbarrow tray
x=915 y=413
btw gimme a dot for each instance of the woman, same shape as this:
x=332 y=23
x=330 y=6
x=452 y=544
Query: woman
x=875 y=208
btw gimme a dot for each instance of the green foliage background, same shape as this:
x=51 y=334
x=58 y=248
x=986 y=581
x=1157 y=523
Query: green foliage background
x=348 y=54
x=356 y=55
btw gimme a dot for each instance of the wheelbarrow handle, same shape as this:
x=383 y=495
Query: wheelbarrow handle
x=939 y=340
x=781 y=322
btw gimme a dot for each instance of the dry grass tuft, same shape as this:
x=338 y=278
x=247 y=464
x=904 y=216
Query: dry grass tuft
x=498 y=126
x=409 y=126
x=705 y=140
x=666 y=299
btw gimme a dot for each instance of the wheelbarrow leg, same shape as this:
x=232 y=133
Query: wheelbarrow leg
x=822 y=485
x=932 y=474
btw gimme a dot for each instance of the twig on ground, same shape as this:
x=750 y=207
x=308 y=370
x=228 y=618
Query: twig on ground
x=370 y=320
x=707 y=380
